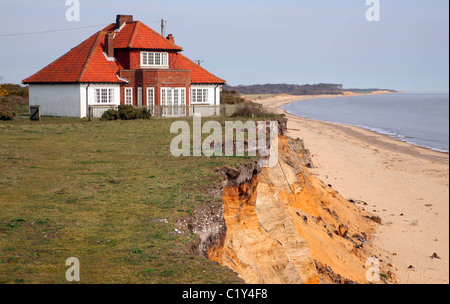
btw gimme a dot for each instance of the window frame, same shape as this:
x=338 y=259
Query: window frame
x=104 y=95
x=195 y=96
x=151 y=98
x=139 y=97
x=130 y=96
x=147 y=57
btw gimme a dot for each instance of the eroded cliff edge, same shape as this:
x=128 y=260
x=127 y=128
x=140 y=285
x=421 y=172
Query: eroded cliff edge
x=281 y=225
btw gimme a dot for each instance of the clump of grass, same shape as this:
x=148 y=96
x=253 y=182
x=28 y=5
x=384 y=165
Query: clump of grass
x=17 y=222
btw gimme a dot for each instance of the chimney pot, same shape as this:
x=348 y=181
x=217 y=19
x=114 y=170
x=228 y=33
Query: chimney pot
x=121 y=19
x=171 y=38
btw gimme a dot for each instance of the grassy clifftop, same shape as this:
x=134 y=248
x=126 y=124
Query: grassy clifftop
x=101 y=192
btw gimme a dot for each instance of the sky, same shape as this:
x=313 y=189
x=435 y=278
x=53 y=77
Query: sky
x=255 y=41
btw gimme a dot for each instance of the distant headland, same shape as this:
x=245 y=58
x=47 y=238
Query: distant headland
x=306 y=89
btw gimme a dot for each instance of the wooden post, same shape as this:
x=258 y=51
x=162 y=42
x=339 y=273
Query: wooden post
x=35 y=113
x=91 y=113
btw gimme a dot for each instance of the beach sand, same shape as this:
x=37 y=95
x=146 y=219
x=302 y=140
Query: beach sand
x=405 y=185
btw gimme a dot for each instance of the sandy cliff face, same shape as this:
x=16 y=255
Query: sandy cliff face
x=281 y=225
x=285 y=226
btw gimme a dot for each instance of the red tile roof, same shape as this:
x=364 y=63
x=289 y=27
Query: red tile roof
x=136 y=35
x=84 y=63
x=198 y=74
x=87 y=62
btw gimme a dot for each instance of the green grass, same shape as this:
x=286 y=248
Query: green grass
x=94 y=191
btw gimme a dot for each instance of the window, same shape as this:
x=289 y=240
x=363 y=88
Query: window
x=152 y=59
x=173 y=96
x=129 y=96
x=104 y=95
x=173 y=100
x=139 y=96
x=150 y=97
x=199 y=95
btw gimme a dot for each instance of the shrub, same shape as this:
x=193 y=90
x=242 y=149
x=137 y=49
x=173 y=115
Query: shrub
x=6 y=112
x=230 y=97
x=9 y=89
x=254 y=111
x=249 y=111
x=127 y=112
x=111 y=115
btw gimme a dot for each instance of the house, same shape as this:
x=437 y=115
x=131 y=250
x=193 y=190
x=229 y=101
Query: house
x=125 y=63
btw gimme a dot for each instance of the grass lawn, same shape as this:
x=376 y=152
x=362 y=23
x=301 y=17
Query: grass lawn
x=95 y=191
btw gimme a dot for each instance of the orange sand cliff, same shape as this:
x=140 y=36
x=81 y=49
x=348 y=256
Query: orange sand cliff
x=285 y=226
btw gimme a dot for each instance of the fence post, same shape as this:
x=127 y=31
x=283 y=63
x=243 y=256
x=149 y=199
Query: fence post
x=91 y=113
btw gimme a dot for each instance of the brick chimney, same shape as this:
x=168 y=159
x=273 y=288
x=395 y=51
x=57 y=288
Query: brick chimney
x=171 y=38
x=121 y=19
x=109 y=44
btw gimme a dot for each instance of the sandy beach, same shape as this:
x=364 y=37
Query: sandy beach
x=405 y=185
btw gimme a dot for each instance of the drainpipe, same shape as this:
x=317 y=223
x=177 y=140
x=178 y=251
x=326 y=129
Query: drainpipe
x=87 y=100
x=215 y=95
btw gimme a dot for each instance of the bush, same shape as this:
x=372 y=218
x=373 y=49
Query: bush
x=111 y=115
x=249 y=111
x=127 y=112
x=230 y=97
x=254 y=111
x=6 y=112
x=9 y=89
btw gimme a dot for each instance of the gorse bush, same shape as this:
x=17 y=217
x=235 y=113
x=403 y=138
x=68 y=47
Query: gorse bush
x=9 y=89
x=127 y=112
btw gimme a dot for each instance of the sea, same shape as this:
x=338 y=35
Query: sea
x=419 y=119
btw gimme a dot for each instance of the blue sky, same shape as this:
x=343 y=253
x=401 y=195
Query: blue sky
x=256 y=41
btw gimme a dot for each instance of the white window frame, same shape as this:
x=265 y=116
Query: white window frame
x=103 y=95
x=139 y=96
x=129 y=96
x=170 y=95
x=150 y=97
x=199 y=95
x=168 y=98
x=155 y=59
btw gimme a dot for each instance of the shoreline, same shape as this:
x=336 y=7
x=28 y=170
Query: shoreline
x=278 y=103
x=405 y=184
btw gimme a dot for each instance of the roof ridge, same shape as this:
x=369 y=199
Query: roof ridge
x=89 y=57
x=134 y=33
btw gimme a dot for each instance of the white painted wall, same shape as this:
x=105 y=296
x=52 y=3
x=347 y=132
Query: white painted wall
x=91 y=95
x=211 y=89
x=56 y=100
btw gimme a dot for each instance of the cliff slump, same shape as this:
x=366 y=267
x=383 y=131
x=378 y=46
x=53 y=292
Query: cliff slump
x=281 y=225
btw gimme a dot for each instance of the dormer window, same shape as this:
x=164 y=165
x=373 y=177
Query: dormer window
x=155 y=59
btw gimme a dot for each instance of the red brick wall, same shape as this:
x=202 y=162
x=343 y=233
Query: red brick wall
x=123 y=57
x=155 y=79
